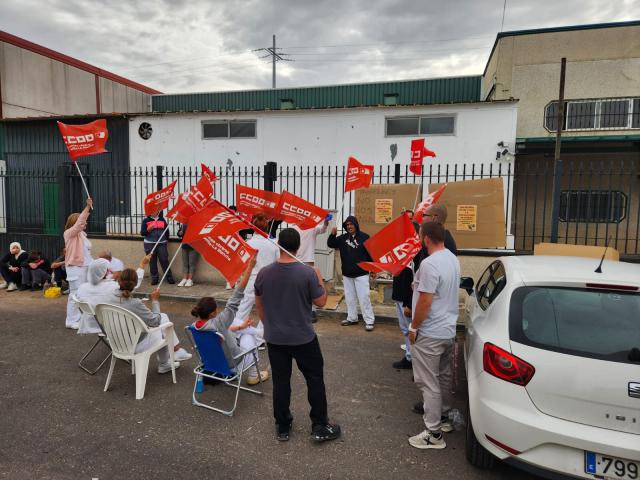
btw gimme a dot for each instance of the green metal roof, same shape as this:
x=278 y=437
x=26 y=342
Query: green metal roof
x=567 y=28
x=410 y=92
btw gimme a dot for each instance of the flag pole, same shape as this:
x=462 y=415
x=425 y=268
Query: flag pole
x=158 y=241
x=415 y=204
x=169 y=267
x=84 y=184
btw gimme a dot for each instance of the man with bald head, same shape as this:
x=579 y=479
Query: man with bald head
x=402 y=292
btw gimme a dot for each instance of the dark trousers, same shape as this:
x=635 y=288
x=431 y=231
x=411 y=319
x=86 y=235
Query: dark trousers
x=60 y=274
x=9 y=276
x=308 y=357
x=161 y=253
x=34 y=277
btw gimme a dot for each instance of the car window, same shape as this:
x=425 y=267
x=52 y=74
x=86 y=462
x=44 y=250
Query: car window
x=584 y=322
x=491 y=283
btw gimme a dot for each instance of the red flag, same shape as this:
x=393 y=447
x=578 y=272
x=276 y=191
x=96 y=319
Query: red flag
x=418 y=152
x=83 y=140
x=297 y=211
x=426 y=203
x=195 y=199
x=159 y=200
x=253 y=200
x=213 y=221
x=229 y=254
x=358 y=175
x=393 y=247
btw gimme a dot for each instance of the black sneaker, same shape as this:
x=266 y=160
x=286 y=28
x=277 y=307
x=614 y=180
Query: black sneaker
x=24 y=287
x=403 y=364
x=154 y=281
x=283 y=431
x=324 y=433
x=35 y=287
x=170 y=280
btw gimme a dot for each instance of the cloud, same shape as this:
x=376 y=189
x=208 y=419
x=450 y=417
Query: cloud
x=203 y=45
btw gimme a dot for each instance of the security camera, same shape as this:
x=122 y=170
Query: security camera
x=501 y=144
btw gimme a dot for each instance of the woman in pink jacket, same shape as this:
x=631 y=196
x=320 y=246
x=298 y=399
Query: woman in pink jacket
x=77 y=259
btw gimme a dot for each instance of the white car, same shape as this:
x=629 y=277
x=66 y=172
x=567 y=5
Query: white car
x=552 y=357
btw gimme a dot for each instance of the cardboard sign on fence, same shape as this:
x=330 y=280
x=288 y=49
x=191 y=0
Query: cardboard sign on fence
x=379 y=204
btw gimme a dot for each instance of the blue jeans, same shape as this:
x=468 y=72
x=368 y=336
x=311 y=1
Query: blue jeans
x=404 y=322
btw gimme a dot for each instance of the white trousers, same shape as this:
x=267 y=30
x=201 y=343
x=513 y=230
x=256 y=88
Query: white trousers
x=156 y=337
x=249 y=337
x=76 y=276
x=404 y=322
x=356 y=290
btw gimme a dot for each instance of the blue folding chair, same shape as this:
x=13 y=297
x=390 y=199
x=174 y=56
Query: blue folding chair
x=214 y=365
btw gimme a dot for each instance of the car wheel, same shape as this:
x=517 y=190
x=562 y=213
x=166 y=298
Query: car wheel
x=477 y=455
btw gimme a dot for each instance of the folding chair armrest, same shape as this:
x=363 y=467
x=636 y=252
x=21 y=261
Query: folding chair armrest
x=246 y=352
x=164 y=326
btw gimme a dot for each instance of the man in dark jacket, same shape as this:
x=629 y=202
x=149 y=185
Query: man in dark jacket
x=154 y=229
x=402 y=292
x=36 y=272
x=354 y=279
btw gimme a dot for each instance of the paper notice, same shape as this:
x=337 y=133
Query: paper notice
x=384 y=210
x=467 y=218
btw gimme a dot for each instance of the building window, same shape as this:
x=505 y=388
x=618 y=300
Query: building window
x=286 y=104
x=424 y=125
x=589 y=206
x=603 y=114
x=228 y=129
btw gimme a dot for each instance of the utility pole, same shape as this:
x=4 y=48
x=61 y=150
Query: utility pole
x=557 y=164
x=275 y=57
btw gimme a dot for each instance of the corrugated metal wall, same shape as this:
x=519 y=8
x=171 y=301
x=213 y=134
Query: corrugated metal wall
x=414 y=92
x=34 y=151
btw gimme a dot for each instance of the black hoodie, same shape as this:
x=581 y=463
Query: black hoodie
x=351 y=249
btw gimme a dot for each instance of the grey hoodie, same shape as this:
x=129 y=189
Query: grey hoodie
x=221 y=323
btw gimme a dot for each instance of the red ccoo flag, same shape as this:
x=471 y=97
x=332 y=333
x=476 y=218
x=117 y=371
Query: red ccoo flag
x=83 y=140
x=298 y=211
x=393 y=247
x=229 y=254
x=418 y=152
x=358 y=175
x=213 y=221
x=427 y=202
x=251 y=201
x=159 y=200
x=195 y=199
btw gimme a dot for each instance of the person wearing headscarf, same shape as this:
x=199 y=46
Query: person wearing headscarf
x=10 y=267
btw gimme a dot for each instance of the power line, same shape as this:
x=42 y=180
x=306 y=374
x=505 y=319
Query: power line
x=275 y=58
x=388 y=43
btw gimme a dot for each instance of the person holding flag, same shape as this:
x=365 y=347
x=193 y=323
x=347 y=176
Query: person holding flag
x=154 y=230
x=355 y=279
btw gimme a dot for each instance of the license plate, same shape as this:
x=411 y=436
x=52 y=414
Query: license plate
x=611 y=467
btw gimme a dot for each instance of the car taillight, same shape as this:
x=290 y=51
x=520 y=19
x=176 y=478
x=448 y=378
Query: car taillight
x=503 y=365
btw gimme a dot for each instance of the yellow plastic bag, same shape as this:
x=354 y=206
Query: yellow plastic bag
x=52 y=292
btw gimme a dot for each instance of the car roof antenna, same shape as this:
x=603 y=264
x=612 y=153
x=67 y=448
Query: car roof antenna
x=606 y=246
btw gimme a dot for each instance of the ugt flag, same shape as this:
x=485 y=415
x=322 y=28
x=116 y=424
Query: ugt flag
x=297 y=211
x=251 y=201
x=83 y=140
x=418 y=152
x=156 y=201
x=228 y=254
x=195 y=199
x=215 y=220
x=393 y=247
x=358 y=175
x=427 y=202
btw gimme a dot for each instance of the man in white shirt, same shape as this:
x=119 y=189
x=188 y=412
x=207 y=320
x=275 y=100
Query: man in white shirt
x=432 y=333
x=268 y=253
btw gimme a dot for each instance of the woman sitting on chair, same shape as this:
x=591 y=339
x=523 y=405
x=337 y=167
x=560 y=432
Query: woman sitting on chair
x=122 y=297
x=209 y=318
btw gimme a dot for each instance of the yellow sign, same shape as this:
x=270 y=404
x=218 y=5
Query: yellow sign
x=467 y=218
x=384 y=210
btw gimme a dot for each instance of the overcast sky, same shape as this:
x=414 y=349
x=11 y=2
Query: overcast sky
x=207 y=45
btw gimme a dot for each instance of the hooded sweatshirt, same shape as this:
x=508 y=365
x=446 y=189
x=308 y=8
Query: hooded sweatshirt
x=11 y=260
x=157 y=233
x=42 y=263
x=351 y=249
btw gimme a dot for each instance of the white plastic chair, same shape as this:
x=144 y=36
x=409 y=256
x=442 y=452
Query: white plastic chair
x=123 y=329
x=86 y=309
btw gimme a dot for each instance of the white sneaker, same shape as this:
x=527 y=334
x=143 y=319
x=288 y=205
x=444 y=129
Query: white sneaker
x=403 y=347
x=3 y=285
x=182 y=283
x=189 y=283
x=181 y=355
x=426 y=439
x=227 y=286
x=12 y=286
x=166 y=367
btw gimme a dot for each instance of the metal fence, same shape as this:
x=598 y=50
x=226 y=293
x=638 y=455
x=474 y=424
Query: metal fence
x=599 y=199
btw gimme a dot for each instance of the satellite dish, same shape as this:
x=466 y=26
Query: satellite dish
x=145 y=130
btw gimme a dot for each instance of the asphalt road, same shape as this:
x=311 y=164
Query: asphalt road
x=57 y=423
